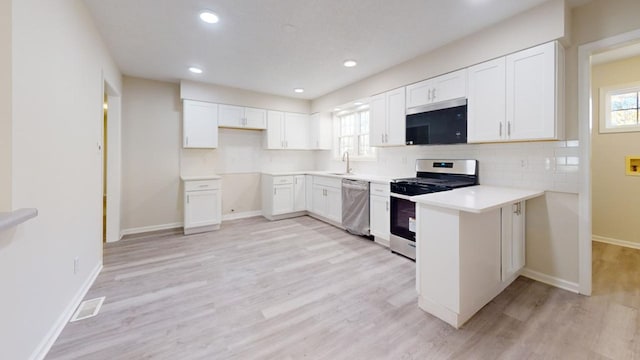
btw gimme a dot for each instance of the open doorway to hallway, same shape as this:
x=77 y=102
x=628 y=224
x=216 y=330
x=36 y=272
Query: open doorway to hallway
x=105 y=108
x=615 y=175
x=111 y=164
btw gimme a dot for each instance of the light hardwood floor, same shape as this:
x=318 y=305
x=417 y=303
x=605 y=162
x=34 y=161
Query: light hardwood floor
x=301 y=289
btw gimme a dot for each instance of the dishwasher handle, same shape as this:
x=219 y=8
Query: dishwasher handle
x=355 y=184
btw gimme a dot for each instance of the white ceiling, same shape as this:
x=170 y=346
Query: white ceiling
x=273 y=46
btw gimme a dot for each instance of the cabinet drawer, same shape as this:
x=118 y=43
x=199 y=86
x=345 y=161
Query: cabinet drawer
x=282 y=180
x=327 y=181
x=195 y=185
x=379 y=189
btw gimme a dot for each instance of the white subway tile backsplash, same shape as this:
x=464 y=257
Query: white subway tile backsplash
x=549 y=165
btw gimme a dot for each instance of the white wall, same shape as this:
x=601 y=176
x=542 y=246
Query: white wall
x=58 y=64
x=151 y=143
x=153 y=157
x=536 y=26
x=233 y=96
x=5 y=106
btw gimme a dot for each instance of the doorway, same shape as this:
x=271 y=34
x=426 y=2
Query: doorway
x=586 y=119
x=105 y=142
x=615 y=81
x=111 y=163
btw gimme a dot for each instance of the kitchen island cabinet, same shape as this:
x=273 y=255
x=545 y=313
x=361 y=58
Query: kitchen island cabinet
x=470 y=247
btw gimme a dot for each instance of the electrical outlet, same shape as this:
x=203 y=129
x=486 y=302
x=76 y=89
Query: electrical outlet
x=76 y=265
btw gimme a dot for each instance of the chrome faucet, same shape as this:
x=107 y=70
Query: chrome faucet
x=346 y=155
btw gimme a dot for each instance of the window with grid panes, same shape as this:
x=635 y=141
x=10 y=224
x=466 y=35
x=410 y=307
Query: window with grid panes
x=354 y=135
x=620 y=109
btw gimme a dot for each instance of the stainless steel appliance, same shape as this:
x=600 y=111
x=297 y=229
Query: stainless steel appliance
x=355 y=206
x=440 y=123
x=431 y=176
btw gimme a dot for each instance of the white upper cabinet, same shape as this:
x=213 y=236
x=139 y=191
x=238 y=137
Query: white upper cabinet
x=532 y=93
x=287 y=131
x=445 y=87
x=387 y=118
x=242 y=117
x=296 y=131
x=275 y=130
x=320 y=131
x=486 y=111
x=517 y=97
x=199 y=124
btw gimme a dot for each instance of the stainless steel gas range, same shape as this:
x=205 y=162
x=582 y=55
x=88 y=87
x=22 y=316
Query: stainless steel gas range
x=431 y=176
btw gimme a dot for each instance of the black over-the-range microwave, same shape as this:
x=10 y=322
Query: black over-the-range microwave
x=441 y=123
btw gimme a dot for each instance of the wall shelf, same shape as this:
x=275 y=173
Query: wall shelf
x=16 y=217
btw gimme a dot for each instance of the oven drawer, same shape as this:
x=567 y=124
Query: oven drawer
x=403 y=246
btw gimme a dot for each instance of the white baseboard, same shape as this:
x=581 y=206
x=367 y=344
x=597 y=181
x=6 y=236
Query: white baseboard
x=145 y=229
x=241 y=215
x=46 y=343
x=551 y=280
x=612 y=241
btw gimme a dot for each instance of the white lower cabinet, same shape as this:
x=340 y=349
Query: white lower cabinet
x=299 y=193
x=202 y=206
x=283 y=196
x=465 y=259
x=326 y=198
x=512 y=239
x=379 y=216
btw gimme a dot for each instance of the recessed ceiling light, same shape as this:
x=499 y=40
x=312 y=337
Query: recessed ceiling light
x=337 y=109
x=357 y=103
x=195 y=70
x=298 y=90
x=350 y=63
x=209 y=17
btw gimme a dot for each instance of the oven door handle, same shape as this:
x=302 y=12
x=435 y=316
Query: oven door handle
x=400 y=196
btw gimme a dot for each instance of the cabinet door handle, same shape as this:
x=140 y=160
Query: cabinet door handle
x=518 y=208
x=386 y=138
x=429 y=95
x=500 y=131
x=509 y=128
x=187 y=199
x=387 y=203
x=433 y=94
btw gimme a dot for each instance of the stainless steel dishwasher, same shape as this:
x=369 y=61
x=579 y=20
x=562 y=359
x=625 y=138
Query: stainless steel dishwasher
x=355 y=206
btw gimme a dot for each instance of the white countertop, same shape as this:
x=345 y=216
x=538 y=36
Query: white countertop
x=476 y=199
x=199 y=177
x=356 y=176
